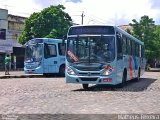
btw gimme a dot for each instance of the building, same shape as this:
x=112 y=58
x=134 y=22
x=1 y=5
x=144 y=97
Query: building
x=4 y=47
x=126 y=27
x=15 y=26
x=10 y=28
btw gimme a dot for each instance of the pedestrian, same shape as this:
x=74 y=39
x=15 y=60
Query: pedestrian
x=7 y=64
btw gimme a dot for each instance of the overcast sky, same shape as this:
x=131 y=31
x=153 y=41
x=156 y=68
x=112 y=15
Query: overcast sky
x=116 y=12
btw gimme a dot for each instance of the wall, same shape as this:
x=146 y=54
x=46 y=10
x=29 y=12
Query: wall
x=3 y=23
x=10 y=28
x=15 y=26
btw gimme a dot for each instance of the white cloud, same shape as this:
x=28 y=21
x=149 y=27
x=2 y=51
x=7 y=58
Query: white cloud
x=112 y=12
x=96 y=11
x=20 y=7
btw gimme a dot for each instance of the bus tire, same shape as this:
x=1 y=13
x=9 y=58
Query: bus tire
x=46 y=74
x=138 y=76
x=85 y=86
x=124 y=79
x=62 y=70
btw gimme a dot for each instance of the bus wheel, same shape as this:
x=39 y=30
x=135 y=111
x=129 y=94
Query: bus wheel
x=124 y=79
x=62 y=70
x=85 y=86
x=138 y=76
x=45 y=75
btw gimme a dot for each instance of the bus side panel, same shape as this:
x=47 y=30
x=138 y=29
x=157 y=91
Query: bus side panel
x=134 y=63
x=143 y=65
x=119 y=71
x=61 y=61
x=126 y=65
x=132 y=68
x=129 y=63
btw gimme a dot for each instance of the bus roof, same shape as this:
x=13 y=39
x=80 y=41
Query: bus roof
x=115 y=28
x=49 y=39
x=41 y=40
x=128 y=35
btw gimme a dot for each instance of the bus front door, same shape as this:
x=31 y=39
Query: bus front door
x=50 y=59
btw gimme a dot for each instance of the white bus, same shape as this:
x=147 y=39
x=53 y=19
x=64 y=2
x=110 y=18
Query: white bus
x=100 y=54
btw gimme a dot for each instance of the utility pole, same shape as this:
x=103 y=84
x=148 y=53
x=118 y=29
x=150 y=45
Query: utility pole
x=82 y=16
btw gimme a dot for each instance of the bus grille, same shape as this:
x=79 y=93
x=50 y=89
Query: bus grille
x=88 y=68
x=88 y=79
x=30 y=67
x=89 y=74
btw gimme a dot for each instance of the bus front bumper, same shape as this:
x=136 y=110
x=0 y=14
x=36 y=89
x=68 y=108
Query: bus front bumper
x=37 y=70
x=111 y=79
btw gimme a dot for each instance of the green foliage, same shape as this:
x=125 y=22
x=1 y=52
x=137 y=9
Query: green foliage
x=157 y=42
x=147 y=31
x=51 y=22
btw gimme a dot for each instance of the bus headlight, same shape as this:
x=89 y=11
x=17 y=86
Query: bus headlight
x=70 y=71
x=108 y=70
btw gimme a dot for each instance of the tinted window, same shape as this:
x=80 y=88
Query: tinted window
x=133 y=48
x=62 y=49
x=3 y=34
x=137 y=50
x=142 y=51
x=124 y=46
x=119 y=45
x=50 y=50
x=128 y=46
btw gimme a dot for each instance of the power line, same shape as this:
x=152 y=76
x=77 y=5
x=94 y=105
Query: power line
x=100 y=19
x=96 y=20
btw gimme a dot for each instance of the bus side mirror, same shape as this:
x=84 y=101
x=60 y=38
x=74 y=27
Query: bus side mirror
x=63 y=40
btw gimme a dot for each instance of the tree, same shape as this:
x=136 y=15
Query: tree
x=145 y=31
x=51 y=22
x=157 y=42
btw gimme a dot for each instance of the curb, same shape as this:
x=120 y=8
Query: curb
x=21 y=76
x=153 y=70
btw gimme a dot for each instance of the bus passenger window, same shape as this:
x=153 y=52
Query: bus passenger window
x=50 y=50
x=61 y=49
x=133 y=48
x=129 y=47
x=119 y=46
x=137 y=50
x=124 y=46
x=142 y=51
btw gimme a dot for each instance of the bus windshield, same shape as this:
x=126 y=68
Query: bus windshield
x=33 y=53
x=91 y=49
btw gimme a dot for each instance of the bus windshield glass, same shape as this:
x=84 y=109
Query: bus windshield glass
x=91 y=49
x=33 y=53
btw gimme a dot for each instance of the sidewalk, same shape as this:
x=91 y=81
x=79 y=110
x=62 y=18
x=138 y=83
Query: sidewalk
x=154 y=70
x=17 y=74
